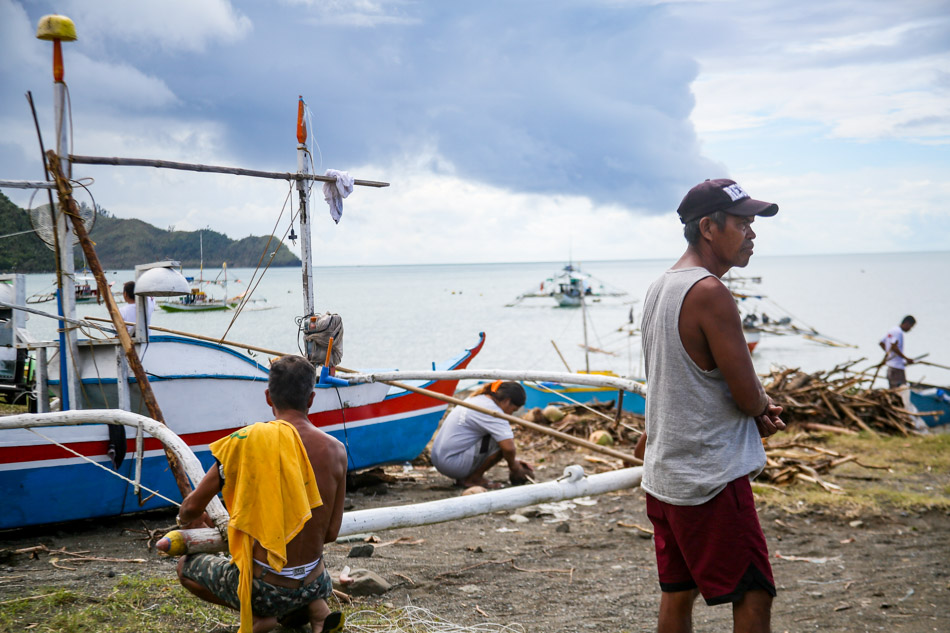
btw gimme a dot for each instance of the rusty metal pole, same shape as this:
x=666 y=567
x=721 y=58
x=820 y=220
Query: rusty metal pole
x=68 y=205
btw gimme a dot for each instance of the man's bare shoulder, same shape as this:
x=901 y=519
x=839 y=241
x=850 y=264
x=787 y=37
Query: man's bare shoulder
x=335 y=447
x=312 y=436
x=709 y=291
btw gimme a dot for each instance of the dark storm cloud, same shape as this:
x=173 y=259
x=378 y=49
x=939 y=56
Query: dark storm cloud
x=548 y=98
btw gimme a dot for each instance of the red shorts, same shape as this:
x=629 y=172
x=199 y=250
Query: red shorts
x=717 y=547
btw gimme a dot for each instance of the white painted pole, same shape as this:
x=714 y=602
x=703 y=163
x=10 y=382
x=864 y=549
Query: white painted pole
x=303 y=188
x=63 y=227
x=122 y=379
x=41 y=392
x=592 y=380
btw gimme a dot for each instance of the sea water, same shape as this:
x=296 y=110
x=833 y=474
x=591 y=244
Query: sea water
x=408 y=317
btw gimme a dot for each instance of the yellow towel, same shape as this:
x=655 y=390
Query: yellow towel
x=269 y=489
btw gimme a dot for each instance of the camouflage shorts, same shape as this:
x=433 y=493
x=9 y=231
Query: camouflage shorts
x=220 y=577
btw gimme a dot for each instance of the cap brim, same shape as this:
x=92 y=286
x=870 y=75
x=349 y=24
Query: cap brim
x=748 y=207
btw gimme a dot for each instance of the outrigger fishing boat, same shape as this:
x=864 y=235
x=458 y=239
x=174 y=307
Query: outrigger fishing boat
x=68 y=472
x=85 y=291
x=198 y=300
x=756 y=322
x=569 y=287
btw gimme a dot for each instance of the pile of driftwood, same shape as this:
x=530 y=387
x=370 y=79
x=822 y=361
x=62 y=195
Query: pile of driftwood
x=597 y=421
x=840 y=400
x=797 y=458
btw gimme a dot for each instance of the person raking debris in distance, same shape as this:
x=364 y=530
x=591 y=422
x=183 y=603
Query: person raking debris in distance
x=894 y=358
x=283 y=483
x=706 y=412
x=471 y=442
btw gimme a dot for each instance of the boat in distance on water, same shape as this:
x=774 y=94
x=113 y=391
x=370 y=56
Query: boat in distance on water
x=85 y=292
x=569 y=287
x=198 y=300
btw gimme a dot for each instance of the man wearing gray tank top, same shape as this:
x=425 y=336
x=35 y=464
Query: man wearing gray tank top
x=706 y=412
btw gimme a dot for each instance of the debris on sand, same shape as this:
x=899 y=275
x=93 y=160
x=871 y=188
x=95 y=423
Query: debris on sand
x=838 y=401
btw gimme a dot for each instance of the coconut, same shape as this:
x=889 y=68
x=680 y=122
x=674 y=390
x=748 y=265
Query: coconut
x=553 y=414
x=602 y=438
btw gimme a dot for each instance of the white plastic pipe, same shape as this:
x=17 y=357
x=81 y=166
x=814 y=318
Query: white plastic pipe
x=573 y=484
x=593 y=380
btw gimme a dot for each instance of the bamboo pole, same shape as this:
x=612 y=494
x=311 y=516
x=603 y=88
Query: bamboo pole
x=68 y=206
x=626 y=457
x=199 y=337
x=561 y=356
x=564 y=437
x=236 y=171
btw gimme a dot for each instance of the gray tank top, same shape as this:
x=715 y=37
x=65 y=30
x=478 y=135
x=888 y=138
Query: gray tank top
x=697 y=438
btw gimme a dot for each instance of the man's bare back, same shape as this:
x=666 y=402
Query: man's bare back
x=328 y=460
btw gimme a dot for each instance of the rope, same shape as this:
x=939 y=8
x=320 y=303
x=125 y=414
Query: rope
x=18 y=233
x=95 y=463
x=251 y=290
x=313 y=140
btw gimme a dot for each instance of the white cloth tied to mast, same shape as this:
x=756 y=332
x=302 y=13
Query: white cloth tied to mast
x=334 y=192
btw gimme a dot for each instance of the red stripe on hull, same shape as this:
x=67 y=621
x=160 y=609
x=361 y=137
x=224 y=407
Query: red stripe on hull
x=403 y=403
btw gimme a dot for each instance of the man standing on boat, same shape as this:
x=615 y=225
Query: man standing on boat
x=706 y=413
x=128 y=310
x=283 y=483
x=894 y=358
x=470 y=442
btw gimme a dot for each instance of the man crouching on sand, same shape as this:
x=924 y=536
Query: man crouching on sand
x=706 y=412
x=283 y=483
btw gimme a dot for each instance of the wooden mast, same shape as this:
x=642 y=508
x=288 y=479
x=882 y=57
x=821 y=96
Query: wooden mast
x=303 y=193
x=57 y=28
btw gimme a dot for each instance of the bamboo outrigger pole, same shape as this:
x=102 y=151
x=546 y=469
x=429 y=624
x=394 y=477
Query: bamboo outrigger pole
x=57 y=28
x=214 y=169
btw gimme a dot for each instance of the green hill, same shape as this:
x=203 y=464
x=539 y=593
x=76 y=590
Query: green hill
x=122 y=244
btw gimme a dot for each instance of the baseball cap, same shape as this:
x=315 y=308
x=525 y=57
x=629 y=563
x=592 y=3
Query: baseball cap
x=721 y=194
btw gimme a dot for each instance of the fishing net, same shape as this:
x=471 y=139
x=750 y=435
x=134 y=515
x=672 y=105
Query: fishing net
x=44 y=222
x=318 y=336
x=413 y=619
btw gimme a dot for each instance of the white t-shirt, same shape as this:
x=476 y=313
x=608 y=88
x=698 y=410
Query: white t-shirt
x=464 y=428
x=895 y=338
x=128 y=312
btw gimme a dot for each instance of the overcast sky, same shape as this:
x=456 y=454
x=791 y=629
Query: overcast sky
x=510 y=131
